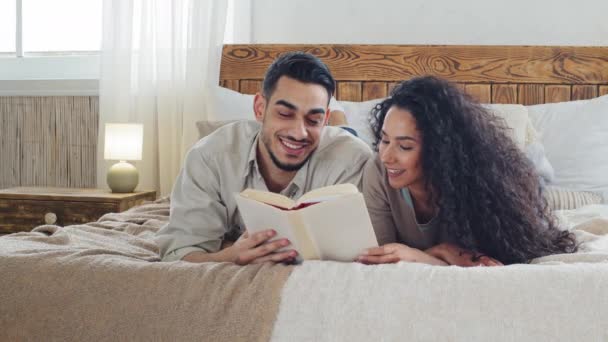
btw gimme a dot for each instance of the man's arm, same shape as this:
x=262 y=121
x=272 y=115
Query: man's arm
x=199 y=220
x=248 y=249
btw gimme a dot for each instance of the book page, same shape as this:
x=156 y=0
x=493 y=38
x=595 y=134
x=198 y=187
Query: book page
x=258 y=216
x=267 y=197
x=340 y=229
x=328 y=193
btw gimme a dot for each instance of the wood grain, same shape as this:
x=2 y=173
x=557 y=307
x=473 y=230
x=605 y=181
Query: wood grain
x=390 y=86
x=468 y=64
x=504 y=93
x=557 y=93
x=583 y=92
x=349 y=91
x=250 y=86
x=480 y=92
x=603 y=90
x=231 y=84
x=23 y=208
x=530 y=94
x=373 y=90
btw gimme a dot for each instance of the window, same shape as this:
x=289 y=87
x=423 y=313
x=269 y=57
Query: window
x=7 y=27
x=50 y=47
x=67 y=26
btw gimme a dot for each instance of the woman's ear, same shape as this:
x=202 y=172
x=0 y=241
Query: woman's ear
x=259 y=106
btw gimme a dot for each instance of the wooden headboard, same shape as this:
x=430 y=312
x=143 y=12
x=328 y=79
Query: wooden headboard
x=492 y=74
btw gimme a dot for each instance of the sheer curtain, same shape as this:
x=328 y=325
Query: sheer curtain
x=160 y=58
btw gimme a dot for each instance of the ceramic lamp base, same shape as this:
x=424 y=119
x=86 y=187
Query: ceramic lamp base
x=122 y=177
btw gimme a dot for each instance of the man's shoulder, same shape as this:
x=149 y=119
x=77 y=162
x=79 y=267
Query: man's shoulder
x=232 y=137
x=337 y=143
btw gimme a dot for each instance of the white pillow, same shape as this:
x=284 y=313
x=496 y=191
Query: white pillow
x=525 y=136
x=226 y=104
x=516 y=118
x=357 y=114
x=575 y=137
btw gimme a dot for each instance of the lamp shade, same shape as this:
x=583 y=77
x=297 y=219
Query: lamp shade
x=123 y=141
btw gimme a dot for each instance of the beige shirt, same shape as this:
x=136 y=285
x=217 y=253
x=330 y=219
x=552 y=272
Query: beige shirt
x=394 y=220
x=203 y=208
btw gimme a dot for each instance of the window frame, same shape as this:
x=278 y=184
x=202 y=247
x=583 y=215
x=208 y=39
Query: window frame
x=47 y=75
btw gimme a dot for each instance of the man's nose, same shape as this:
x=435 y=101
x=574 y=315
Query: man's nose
x=299 y=131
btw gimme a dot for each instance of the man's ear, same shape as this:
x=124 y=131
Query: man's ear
x=259 y=106
x=327 y=116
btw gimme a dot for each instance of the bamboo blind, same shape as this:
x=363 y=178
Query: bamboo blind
x=48 y=141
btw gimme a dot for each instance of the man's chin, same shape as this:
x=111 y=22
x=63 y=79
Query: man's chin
x=291 y=165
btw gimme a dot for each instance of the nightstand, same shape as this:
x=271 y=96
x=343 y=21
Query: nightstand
x=24 y=208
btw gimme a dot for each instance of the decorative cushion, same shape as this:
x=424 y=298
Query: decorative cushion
x=566 y=199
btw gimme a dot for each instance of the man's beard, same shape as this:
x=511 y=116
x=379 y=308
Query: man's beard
x=281 y=165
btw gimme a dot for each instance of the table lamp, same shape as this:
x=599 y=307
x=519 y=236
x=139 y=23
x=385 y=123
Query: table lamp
x=123 y=142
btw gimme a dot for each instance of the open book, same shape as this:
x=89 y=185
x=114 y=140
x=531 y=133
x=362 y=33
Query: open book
x=329 y=223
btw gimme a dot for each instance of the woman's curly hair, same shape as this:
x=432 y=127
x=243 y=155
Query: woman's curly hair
x=489 y=196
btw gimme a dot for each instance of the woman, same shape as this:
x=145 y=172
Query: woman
x=450 y=187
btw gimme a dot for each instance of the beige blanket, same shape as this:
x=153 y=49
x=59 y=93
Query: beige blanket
x=101 y=282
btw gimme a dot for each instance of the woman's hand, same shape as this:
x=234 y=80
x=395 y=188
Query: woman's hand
x=454 y=255
x=395 y=252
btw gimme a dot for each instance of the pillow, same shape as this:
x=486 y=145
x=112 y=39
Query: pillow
x=575 y=138
x=525 y=136
x=357 y=114
x=516 y=118
x=567 y=199
x=227 y=104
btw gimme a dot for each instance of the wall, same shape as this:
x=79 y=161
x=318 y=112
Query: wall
x=514 y=22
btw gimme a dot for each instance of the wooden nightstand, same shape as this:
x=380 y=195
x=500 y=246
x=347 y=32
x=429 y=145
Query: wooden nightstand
x=24 y=208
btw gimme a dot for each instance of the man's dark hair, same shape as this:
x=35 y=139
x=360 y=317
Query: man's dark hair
x=300 y=66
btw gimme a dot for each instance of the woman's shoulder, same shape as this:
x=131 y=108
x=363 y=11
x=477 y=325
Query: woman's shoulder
x=375 y=181
x=374 y=167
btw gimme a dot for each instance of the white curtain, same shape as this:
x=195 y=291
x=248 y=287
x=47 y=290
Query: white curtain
x=159 y=60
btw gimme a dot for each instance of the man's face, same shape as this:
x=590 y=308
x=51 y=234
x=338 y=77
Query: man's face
x=292 y=120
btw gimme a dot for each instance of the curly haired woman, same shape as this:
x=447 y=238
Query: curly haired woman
x=450 y=187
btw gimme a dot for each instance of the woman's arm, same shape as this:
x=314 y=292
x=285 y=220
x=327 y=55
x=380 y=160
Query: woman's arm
x=395 y=252
x=454 y=255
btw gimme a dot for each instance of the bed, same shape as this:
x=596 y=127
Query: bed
x=103 y=280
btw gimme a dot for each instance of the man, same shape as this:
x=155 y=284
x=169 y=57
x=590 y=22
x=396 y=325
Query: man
x=290 y=152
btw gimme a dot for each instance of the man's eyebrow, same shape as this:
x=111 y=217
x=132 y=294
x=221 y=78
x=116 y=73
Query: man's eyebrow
x=401 y=137
x=294 y=107
x=286 y=104
x=316 y=111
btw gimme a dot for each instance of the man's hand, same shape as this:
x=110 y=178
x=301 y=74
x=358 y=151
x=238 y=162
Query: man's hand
x=455 y=255
x=257 y=248
x=395 y=252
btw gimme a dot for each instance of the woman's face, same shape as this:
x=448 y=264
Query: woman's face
x=400 y=149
